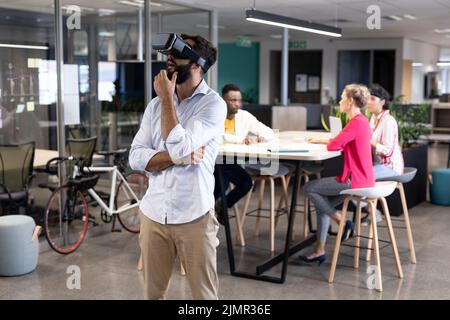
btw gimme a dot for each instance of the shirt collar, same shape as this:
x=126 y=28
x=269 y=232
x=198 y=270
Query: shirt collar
x=383 y=113
x=202 y=88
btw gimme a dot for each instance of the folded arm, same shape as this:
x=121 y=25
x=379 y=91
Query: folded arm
x=199 y=130
x=260 y=129
x=143 y=156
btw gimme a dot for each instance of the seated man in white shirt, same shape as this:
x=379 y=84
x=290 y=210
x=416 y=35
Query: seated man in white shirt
x=239 y=125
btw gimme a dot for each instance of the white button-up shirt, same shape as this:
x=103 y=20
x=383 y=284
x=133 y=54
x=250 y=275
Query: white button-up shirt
x=385 y=135
x=181 y=193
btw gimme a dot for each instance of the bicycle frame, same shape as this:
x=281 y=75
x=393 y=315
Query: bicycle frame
x=116 y=174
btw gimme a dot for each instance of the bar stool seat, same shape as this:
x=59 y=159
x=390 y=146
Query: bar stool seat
x=257 y=169
x=408 y=175
x=371 y=196
x=381 y=190
x=312 y=168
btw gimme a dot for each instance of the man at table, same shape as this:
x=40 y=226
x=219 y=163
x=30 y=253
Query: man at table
x=178 y=208
x=241 y=127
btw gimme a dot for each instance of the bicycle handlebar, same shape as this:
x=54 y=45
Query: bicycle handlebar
x=79 y=161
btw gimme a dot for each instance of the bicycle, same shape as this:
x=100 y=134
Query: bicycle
x=67 y=216
x=137 y=179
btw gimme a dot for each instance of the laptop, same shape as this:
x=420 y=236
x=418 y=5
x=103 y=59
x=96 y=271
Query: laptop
x=335 y=126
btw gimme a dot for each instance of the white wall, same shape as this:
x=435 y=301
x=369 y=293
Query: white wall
x=445 y=54
x=330 y=50
x=417 y=51
x=428 y=55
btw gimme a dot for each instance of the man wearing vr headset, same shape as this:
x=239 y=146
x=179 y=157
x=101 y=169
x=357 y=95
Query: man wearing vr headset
x=177 y=144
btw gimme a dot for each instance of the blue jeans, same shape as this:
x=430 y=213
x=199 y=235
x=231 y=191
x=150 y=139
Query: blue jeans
x=382 y=171
x=239 y=178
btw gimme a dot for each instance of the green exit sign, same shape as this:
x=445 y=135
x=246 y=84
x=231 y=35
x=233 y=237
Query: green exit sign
x=297 y=44
x=243 y=41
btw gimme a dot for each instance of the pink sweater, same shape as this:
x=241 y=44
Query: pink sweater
x=354 y=141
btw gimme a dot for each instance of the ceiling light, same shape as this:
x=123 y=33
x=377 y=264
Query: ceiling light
x=417 y=64
x=105 y=12
x=446 y=30
x=131 y=3
x=139 y=3
x=106 y=34
x=443 y=64
x=291 y=23
x=206 y=26
x=396 y=18
x=409 y=16
x=82 y=8
x=22 y=46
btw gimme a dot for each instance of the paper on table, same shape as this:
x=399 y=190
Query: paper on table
x=295 y=146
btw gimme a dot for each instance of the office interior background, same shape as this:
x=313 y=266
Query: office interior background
x=102 y=49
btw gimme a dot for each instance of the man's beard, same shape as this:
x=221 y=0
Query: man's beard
x=184 y=73
x=232 y=112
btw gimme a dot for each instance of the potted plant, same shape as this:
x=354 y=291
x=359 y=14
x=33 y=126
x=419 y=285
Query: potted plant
x=335 y=112
x=411 y=119
x=412 y=122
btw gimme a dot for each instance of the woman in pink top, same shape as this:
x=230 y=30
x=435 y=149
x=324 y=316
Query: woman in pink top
x=354 y=142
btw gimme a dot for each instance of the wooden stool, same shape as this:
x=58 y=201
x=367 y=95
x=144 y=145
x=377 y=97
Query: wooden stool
x=306 y=171
x=257 y=175
x=407 y=176
x=371 y=196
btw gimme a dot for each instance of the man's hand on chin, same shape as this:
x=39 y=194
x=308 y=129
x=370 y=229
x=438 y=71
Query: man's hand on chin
x=164 y=87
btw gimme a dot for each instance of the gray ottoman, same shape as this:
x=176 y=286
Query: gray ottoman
x=18 y=252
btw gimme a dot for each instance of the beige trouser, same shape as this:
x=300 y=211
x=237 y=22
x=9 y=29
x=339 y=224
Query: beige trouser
x=194 y=243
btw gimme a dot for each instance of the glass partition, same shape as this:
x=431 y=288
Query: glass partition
x=27 y=80
x=103 y=81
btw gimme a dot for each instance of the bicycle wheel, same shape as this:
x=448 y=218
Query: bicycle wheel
x=130 y=219
x=66 y=229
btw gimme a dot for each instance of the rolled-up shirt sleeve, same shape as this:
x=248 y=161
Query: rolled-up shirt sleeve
x=260 y=129
x=231 y=138
x=199 y=130
x=142 y=151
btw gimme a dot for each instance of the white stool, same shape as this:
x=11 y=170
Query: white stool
x=371 y=196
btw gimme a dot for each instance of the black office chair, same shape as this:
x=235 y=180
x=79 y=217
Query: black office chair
x=82 y=148
x=78 y=148
x=16 y=173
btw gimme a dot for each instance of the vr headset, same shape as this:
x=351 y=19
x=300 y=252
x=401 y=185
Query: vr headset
x=172 y=43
